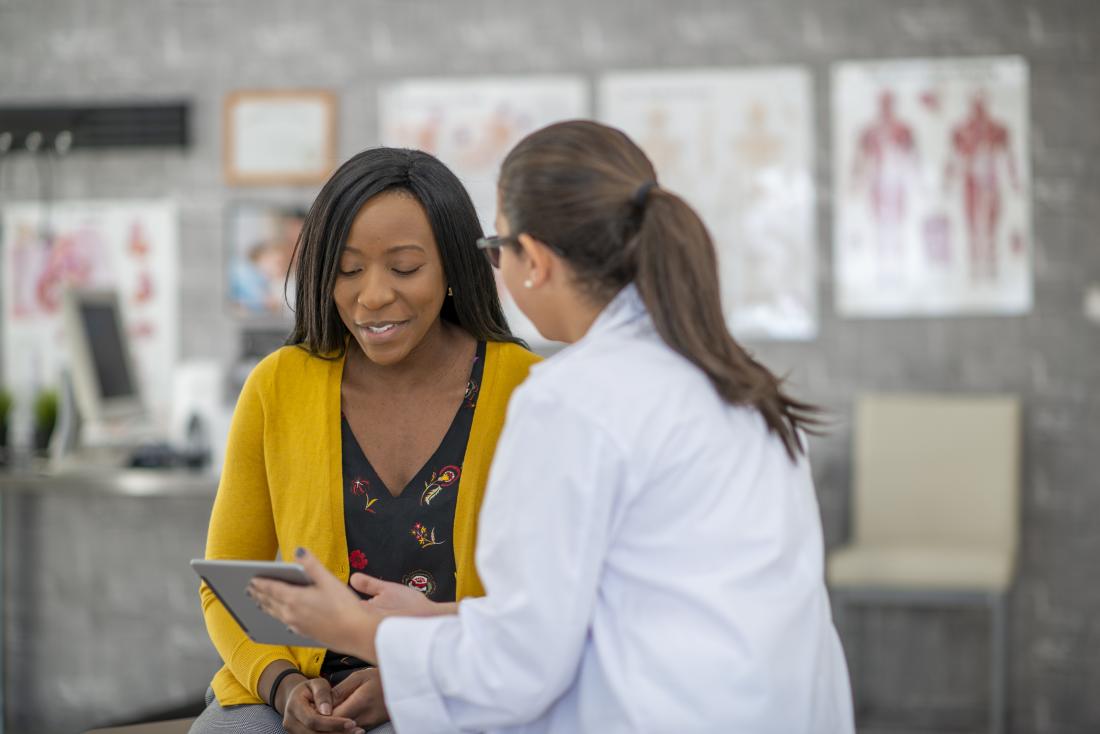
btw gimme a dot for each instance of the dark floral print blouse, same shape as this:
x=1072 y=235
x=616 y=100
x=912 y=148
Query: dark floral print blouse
x=406 y=538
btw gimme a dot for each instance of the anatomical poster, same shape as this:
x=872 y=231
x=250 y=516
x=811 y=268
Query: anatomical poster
x=737 y=145
x=471 y=124
x=128 y=246
x=931 y=187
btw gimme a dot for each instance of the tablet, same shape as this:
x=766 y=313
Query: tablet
x=229 y=579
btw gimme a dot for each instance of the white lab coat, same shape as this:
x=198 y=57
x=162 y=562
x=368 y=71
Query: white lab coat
x=652 y=560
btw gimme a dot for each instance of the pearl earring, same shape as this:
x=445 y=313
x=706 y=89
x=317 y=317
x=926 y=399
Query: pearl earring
x=528 y=284
x=450 y=292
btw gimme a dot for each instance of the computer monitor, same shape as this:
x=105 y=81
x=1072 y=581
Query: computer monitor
x=105 y=383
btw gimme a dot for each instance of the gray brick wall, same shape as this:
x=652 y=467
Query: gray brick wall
x=915 y=661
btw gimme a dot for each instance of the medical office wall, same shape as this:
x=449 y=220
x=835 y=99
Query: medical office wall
x=1038 y=341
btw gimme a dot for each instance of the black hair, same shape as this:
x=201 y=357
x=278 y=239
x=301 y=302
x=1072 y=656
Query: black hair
x=474 y=305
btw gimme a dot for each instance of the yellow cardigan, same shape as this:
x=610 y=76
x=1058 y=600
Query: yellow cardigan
x=281 y=488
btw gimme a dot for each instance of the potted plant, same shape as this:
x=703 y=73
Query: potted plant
x=45 y=418
x=5 y=411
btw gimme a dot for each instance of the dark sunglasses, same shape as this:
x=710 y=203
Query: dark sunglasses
x=492 y=245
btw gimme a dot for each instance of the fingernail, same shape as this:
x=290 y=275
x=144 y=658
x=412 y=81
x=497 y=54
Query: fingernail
x=326 y=710
x=301 y=552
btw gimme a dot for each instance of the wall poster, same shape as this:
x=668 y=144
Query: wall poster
x=260 y=240
x=738 y=146
x=130 y=246
x=932 y=187
x=470 y=124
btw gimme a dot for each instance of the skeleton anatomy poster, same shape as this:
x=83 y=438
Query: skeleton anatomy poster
x=470 y=125
x=738 y=146
x=931 y=187
x=130 y=246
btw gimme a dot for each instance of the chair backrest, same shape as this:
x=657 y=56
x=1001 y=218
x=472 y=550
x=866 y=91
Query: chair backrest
x=937 y=470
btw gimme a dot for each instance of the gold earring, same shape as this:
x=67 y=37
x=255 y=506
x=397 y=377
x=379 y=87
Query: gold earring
x=449 y=291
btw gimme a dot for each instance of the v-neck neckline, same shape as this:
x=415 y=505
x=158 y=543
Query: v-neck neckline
x=346 y=431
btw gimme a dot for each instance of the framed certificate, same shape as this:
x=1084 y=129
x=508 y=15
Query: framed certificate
x=279 y=137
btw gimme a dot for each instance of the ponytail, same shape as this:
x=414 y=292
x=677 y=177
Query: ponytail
x=677 y=278
x=591 y=192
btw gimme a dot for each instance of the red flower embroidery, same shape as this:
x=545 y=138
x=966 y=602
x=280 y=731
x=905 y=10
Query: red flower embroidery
x=448 y=475
x=357 y=560
x=360 y=486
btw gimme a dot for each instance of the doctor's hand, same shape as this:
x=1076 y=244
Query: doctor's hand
x=326 y=610
x=359 y=697
x=396 y=600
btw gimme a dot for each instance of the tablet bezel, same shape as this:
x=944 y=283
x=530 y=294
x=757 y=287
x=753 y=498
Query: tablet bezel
x=229 y=579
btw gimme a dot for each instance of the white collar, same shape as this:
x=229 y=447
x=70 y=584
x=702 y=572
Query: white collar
x=625 y=308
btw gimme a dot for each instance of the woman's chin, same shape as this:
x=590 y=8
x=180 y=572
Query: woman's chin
x=385 y=355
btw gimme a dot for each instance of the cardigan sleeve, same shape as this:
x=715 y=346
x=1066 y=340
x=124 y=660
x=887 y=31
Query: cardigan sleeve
x=242 y=527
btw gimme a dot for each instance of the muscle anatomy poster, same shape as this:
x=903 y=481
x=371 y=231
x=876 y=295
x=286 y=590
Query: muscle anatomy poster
x=931 y=187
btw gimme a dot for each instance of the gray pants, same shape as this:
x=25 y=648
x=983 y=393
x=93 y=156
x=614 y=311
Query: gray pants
x=248 y=719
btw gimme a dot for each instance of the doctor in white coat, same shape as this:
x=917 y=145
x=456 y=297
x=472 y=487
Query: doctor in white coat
x=650 y=542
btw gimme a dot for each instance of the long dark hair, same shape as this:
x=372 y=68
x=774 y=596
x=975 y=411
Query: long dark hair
x=587 y=190
x=475 y=305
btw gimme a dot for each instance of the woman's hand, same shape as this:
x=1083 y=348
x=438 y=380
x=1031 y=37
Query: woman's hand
x=308 y=709
x=327 y=610
x=392 y=599
x=359 y=697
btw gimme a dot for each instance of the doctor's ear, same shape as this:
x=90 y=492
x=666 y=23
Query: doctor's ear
x=538 y=257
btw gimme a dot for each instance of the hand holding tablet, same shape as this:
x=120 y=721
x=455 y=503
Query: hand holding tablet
x=229 y=579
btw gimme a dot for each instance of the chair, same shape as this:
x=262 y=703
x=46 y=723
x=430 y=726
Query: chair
x=934 y=510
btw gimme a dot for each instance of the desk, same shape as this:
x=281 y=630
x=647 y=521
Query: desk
x=101 y=615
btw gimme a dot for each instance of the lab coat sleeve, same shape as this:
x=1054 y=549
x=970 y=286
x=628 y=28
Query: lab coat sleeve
x=545 y=527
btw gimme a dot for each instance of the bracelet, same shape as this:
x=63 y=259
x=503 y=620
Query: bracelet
x=275 y=685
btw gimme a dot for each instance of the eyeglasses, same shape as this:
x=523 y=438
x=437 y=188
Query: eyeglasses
x=492 y=245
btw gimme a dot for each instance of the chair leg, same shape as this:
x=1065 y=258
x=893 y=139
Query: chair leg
x=998 y=669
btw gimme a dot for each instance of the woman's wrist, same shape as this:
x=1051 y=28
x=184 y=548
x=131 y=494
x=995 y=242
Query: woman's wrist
x=365 y=633
x=277 y=681
x=443 y=608
x=286 y=686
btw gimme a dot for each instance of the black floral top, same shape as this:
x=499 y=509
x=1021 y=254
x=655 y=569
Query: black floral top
x=406 y=538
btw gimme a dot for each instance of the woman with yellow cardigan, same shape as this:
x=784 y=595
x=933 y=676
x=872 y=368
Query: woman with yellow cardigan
x=369 y=436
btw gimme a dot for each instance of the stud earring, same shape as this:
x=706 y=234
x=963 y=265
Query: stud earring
x=450 y=292
x=528 y=284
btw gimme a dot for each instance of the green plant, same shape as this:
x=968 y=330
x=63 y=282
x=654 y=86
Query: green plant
x=5 y=409
x=45 y=417
x=45 y=410
x=5 y=405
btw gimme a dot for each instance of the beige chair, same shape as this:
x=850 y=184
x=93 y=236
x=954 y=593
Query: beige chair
x=934 y=511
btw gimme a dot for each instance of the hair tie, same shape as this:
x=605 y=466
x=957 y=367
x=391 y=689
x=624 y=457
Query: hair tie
x=642 y=194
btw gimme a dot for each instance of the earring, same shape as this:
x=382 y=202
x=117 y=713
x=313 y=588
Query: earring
x=449 y=291
x=528 y=284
